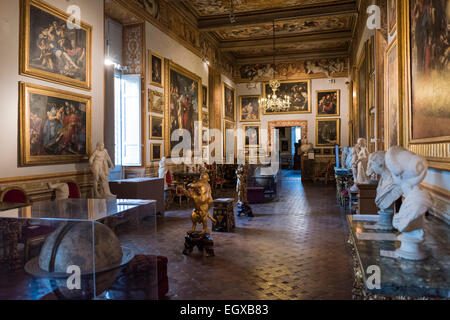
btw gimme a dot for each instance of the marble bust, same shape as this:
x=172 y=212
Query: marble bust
x=162 y=171
x=387 y=190
x=408 y=171
x=100 y=163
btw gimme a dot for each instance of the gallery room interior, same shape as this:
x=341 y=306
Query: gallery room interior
x=224 y=150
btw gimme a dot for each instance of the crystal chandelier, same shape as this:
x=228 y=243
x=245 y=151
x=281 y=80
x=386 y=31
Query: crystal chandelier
x=274 y=103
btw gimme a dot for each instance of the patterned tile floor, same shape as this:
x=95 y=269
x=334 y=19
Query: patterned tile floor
x=294 y=248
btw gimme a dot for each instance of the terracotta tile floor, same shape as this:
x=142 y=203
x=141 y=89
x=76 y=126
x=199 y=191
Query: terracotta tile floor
x=294 y=248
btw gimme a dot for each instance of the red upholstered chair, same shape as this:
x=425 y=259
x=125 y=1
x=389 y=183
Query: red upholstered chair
x=74 y=190
x=14 y=195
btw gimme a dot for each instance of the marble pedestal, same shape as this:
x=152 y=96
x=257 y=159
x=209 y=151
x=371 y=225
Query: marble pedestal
x=411 y=247
x=384 y=220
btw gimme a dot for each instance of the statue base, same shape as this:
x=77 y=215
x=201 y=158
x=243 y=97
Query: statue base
x=244 y=210
x=411 y=247
x=384 y=220
x=202 y=241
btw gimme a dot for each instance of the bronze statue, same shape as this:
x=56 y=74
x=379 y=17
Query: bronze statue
x=241 y=189
x=200 y=192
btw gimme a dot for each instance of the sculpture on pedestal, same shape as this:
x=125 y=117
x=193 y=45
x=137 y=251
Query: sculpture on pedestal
x=349 y=158
x=200 y=192
x=344 y=157
x=61 y=190
x=360 y=156
x=408 y=171
x=387 y=190
x=162 y=171
x=241 y=190
x=100 y=163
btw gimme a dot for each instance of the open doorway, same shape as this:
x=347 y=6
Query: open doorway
x=289 y=144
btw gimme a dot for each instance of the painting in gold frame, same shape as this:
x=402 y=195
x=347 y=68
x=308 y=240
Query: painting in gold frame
x=155 y=101
x=229 y=103
x=156 y=69
x=156 y=127
x=55 y=126
x=70 y=62
x=391 y=104
x=249 y=108
x=252 y=135
x=427 y=95
x=182 y=113
x=299 y=92
x=328 y=132
x=361 y=116
x=392 y=15
x=328 y=102
x=156 y=151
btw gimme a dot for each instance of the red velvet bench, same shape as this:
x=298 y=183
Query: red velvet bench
x=255 y=195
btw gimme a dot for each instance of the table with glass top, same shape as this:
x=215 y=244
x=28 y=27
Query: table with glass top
x=84 y=214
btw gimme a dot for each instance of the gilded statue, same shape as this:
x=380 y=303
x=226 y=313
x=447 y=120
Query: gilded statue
x=200 y=192
x=241 y=183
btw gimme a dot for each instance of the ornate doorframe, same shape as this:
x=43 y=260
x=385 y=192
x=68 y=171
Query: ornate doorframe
x=288 y=123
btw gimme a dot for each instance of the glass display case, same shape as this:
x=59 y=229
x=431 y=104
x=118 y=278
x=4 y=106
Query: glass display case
x=79 y=249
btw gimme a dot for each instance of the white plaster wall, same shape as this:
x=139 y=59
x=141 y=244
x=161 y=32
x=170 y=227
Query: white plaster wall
x=165 y=46
x=316 y=84
x=92 y=12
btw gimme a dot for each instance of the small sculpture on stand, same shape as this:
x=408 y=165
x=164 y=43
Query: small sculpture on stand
x=408 y=171
x=100 y=163
x=162 y=171
x=241 y=189
x=387 y=190
x=61 y=190
x=360 y=157
x=200 y=192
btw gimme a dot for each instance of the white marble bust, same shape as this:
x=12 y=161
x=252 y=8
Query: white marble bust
x=387 y=190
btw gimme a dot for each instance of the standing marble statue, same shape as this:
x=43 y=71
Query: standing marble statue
x=408 y=171
x=360 y=157
x=100 y=163
x=241 y=190
x=344 y=155
x=162 y=171
x=387 y=191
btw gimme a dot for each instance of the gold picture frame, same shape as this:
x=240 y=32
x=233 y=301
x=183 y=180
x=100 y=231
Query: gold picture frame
x=392 y=16
x=248 y=143
x=436 y=149
x=152 y=78
x=178 y=70
x=38 y=62
x=268 y=90
x=253 y=99
x=155 y=101
x=337 y=124
x=153 y=154
x=50 y=120
x=320 y=94
x=226 y=116
x=153 y=121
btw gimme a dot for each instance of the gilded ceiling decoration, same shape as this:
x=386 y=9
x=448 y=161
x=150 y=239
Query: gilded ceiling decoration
x=220 y=7
x=289 y=27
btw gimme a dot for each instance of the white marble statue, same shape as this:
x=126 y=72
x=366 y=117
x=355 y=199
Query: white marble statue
x=344 y=155
x=61 y=190
x=360 y=157
x=387 y=191
x=349 y=159
x=100 y=163
x=162 y=171
x=408 y=171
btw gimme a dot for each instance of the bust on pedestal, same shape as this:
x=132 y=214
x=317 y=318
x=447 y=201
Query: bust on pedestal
x=408 y=171
x=387 y=190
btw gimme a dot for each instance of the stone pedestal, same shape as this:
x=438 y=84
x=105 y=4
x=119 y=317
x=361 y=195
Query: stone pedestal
x=411 y=247
x=244 y=210
x=224 y=215
x=385 y=220
x=202 y=241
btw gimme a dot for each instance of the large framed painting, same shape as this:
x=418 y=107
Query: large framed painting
x=156 y=127
x=299 y=93
x=391 y=104
x=426 y=37
x=328 y=103
x=55 y=126
x=155 y=101
x=156 y=72
x=183 y=104
x=155 y=151
x=252 y=135
x=52 y=49
x=361 y=115
x=392 y=15
x=229 y=103
x=327 y=132
x=249 y=108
